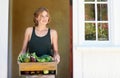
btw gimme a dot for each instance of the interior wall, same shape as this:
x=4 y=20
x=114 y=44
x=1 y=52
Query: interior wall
x=22 y=17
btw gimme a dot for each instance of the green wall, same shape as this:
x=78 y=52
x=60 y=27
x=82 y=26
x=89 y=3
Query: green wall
x=22 y=17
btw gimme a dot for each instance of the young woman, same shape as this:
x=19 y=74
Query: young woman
x=40 y=38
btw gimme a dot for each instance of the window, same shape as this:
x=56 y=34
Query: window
x=92 y=23
x=96 y=20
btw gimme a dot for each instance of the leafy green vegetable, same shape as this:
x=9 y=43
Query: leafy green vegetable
x=32 y=57
x=24 y=57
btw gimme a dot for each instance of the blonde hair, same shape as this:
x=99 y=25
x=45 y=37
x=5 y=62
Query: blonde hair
x=39 y=11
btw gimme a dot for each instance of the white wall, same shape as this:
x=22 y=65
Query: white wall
x=97 y=62
x=3 y=38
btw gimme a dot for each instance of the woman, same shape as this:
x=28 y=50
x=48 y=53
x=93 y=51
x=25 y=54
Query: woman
x=40 y=38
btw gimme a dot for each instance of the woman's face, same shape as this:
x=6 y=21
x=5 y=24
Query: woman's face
x=43 y=18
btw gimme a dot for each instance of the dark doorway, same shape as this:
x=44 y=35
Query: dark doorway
x=21 y=16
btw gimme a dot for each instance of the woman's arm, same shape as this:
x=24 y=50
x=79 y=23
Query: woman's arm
x=26 y=40
x=55 y=45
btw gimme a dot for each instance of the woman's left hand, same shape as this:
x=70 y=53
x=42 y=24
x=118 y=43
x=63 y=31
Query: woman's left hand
x=57 y=58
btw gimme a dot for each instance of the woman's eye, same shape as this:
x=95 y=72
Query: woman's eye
x=44 y=16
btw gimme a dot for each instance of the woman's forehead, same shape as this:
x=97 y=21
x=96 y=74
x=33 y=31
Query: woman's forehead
x=44 y=13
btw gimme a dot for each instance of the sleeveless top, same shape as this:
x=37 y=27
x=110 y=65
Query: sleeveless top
x=40 y=45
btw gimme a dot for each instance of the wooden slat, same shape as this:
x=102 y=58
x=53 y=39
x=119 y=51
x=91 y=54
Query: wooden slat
x=37 y=66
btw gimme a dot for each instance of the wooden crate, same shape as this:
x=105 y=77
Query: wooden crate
x=36 y=68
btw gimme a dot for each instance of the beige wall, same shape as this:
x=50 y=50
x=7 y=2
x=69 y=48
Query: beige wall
x=22 y=14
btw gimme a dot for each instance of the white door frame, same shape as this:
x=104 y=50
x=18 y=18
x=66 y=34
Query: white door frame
x=4 y=12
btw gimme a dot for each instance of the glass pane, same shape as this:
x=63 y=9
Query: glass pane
x=103 y=31
x=89 y=12
x=89 y=0
x=90 y=31
x=102 y=12
x=102 y=0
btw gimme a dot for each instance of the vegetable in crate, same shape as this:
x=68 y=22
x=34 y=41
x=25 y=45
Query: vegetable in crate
x=27 y=57
x=44 y=58
x=45 y=71
x=24 y=57
x=33 y=57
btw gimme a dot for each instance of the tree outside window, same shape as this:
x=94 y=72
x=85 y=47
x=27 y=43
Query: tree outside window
x=96 y=20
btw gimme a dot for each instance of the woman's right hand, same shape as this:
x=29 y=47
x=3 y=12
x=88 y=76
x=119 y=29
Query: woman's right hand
x=57 y=58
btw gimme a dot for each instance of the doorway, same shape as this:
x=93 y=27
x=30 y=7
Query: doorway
x=22 y=17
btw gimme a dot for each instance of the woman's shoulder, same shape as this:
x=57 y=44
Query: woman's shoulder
x=29 y=30
x=53 y=32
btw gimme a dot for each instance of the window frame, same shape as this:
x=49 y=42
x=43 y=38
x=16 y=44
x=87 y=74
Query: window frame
x=80 y=33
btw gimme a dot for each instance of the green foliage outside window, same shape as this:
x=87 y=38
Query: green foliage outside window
x=101 y=0
x=102 y=12
x=89 y=0
x=96 y=31
x=89 y=12
x=103 y=31
x=90 y=31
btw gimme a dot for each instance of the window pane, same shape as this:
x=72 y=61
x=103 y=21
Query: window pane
x=89 y=0
x=90 y=31
x=103 y=31
x=102 y=0
x=102 y=12
x=89 y=12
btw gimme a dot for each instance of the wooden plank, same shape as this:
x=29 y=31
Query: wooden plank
x=34 y=66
